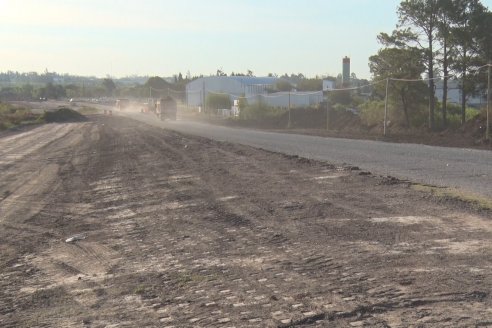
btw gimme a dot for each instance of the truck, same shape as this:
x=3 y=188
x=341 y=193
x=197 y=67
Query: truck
x=166 y=108
x=146 y=108
x=122 y=103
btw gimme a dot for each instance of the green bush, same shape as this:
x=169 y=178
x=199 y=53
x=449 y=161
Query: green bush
x=260 y=111
x=453 y=114
x=372 y=112
x=11 y=116
x=217 y=101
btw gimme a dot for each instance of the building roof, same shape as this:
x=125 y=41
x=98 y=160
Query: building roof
x=245 y=80
x=251 y=80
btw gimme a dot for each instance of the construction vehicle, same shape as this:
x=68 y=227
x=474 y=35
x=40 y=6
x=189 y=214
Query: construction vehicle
x=122 y=103
x=146 y=108
x=166 y=108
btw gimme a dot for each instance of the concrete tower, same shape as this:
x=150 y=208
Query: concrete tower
x=346 y=72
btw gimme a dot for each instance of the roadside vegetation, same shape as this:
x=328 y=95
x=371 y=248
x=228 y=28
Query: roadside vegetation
x=13 y=116
x=15 y=86
x=476 y=202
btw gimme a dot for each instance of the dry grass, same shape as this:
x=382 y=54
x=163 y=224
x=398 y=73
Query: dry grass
x=11 y=116
x=477 y=201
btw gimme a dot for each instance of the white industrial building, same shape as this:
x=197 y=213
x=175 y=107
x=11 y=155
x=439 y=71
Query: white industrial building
x=254 y=89
x=289 y=99
x=235 y=86
x=454 y=94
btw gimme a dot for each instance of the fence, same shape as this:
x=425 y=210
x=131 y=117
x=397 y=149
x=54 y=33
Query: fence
x=289 y=100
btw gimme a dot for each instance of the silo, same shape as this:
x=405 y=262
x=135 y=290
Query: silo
x=346 y=72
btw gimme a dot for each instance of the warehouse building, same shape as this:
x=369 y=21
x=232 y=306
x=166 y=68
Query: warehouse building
x=254 y=89
x=235 y=86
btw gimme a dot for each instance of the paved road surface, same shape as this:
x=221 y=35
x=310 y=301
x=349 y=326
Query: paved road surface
x=467 y=169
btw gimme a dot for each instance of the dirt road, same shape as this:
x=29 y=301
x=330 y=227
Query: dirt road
x=467 y=170
x=179 y=231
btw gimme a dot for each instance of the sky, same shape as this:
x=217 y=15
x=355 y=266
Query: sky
x=163 y=37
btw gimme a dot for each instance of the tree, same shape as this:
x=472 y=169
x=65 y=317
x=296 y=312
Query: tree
x=51 y=91
x=283 y=85
x=72 y=90
x=343 y=97
x=217 y=101
x=468 y=26
x=422 y=19
x=109 y=86
x=446 y=14
x=26 y=91
x=221 y=73
x=157 y=85
x=310 y=85
x=400 y=63
x=483 y=35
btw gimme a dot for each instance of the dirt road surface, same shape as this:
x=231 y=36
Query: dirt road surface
x=468 y=170
x=169 y=230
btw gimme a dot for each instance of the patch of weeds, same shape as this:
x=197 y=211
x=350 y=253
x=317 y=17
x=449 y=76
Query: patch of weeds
x=185 y=278
x=11 y=116
x=139 y=290
x=476 y=201
x=6 y=193
x=50 y=297
x=88 y=110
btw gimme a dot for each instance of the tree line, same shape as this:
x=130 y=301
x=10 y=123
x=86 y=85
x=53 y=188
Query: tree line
x=438 y=39
x=106 y=87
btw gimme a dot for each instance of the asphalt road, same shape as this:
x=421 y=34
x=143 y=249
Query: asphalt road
x=469 y=170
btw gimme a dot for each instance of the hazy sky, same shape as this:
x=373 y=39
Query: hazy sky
x=152 y=37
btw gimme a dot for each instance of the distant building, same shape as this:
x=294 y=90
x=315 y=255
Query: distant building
x=235 y=86
x=58 y=80
x=254 y=89
x=454 y=94
x=328 y=85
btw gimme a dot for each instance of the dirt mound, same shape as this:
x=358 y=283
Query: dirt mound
x=63 y=114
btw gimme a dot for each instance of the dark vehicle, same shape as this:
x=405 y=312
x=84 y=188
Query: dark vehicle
x=166 y=108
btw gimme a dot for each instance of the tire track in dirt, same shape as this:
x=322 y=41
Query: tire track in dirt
x=183 y=231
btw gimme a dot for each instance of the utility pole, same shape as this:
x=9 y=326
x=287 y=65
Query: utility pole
x=385 y=107
x=203 y=96
x=487 y=129
x=327 y=114
x=288 y=123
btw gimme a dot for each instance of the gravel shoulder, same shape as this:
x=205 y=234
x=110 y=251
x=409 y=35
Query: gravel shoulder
x=176 y=230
